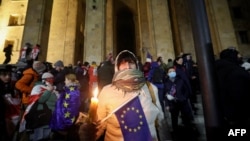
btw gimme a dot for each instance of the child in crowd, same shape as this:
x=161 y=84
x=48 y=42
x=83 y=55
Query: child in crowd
x=67 y=107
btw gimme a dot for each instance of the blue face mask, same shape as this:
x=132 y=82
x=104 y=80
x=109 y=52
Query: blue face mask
x=172 y=74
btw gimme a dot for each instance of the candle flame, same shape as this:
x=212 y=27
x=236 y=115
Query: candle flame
x=95 y=93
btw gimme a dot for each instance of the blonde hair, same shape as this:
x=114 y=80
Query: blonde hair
x=72 y=78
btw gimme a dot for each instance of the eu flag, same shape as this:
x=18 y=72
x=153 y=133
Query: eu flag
x=66 y=109
x=149 y=55
x=132 y=121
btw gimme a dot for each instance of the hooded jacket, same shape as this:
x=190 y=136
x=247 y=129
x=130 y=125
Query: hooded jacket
x=233 y=85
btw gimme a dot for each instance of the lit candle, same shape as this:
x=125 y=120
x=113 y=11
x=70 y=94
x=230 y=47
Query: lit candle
x=93 y=107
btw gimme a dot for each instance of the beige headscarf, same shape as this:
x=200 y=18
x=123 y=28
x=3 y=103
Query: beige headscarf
x=128 y=80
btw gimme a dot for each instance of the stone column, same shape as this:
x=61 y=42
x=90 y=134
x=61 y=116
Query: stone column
x=175 y=28
x=185 y=28
x=63 y=31
x=160 y=29
x=221 y=26
x=109 y=27
x=34 y=22
x=143 y=21
x=94 y=31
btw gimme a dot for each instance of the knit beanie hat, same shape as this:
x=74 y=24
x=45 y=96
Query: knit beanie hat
x=148 y=60
x=59 y=63
x=47 y=75
x=38 y=66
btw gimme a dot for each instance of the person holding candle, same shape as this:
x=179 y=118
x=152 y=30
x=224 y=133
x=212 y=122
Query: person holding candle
x=67 y=108
x=128 y=85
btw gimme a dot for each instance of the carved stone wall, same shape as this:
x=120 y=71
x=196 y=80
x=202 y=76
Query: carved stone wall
x=86 y=30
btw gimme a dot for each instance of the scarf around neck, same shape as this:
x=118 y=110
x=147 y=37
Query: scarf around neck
x=129 y=80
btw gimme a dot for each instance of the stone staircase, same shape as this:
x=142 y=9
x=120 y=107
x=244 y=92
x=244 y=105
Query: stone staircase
x=186 y=134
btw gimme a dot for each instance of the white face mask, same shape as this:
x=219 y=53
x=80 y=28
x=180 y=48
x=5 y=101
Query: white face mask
x=172 y=74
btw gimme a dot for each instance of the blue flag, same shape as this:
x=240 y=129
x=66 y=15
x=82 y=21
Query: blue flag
x=149 y=55
x=66 y=109
x=132 y=121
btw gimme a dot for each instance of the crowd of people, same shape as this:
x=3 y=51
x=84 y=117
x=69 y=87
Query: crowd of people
x=46 y=101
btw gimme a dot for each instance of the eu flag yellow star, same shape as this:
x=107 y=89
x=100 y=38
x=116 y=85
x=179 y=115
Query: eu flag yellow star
x=65 y=104
x=67 y=96
x=67 y=114
x=71 y=88
x=72 y=119
x=125 y=125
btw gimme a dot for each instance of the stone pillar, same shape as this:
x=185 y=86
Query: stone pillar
x=175 y=28
x=221 y=26
x=160 y=29
x=109 y=37
x=143 y=21
x=63 y=31
x=46 y=29
x=34 y=22
x=94 y=31
x=185 y=28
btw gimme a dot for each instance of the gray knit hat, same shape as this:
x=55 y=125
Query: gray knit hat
x=59 y=63
x=38 y=66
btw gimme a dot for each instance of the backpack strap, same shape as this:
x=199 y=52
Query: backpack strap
x=150 y=88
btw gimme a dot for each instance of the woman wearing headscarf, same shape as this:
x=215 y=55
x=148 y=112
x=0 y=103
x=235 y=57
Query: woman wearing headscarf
x=128 y=86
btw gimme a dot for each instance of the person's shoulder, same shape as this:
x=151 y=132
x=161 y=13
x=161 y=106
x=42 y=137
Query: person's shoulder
x=147 y=85
x=179 y=81
x=107 y=87
x=64 y=71
x=37 y=88
x=107 y=91
x=39 y=84
x=29 y=71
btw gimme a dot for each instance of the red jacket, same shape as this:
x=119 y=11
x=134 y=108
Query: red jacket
x=92 y=74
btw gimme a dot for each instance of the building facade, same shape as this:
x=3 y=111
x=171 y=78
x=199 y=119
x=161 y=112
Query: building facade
x=88 y=30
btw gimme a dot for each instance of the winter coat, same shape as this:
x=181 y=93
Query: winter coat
x=26 y=83
x=60 y=78
x=105 y=74
x=234 y=90
x=182 y=92
x=110 y=98
x=154 y=66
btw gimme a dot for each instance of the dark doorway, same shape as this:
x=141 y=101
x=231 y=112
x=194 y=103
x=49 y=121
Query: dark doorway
x=125 y=30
